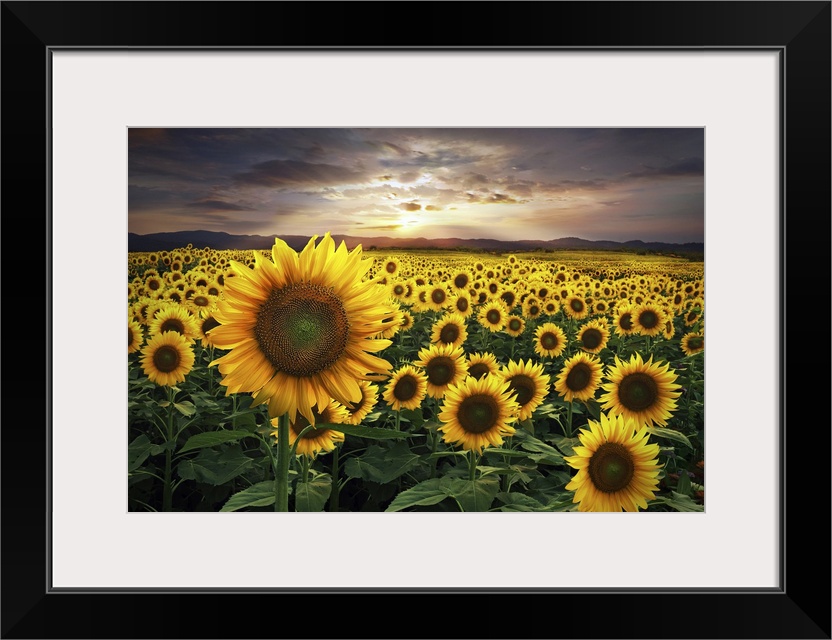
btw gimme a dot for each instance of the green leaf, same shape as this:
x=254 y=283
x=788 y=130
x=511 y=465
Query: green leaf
x=215 y=467
x=518 y=502
x=212 y=438
x=678 y=502
x=475 y=495
x=683 y=485
x=566 y=445
x=371 y=433
x=550 y=455
x=382 y=465
x=257 y=495
x=594 y=409
x=138 y=451
x=425 y=493
x=312 y=496
x=670 y=434
x=247 y=421
x=511 y=453
x=185 y=407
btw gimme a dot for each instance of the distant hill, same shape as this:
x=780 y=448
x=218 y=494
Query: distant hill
x=222 y=240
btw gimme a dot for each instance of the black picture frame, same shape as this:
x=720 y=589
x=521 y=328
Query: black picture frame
x=799 y=31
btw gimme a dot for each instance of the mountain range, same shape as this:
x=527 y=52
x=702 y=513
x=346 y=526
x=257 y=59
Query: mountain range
x=221 y=240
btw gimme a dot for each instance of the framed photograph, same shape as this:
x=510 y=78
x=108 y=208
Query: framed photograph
x=695 y=123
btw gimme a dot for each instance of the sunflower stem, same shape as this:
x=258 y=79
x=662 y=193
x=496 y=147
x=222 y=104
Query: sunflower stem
x=167 y=496
x=305 y=469
x=281 y=476
x=472 y=465
x=434 y=444
x=569 y=422
x=398 y=419
x=336 y=488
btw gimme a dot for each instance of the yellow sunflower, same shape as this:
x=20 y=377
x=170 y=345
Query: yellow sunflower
x=135 y=336
x=476 y=413
x=575 y=307
x=624 y=319
x=406 y=389
x=532 y=308
x=167 y=358
x=449 y=330
x=693 y=343
x=174 y=317
x=444 y=366
x=461 y=280
x=549 y=340
x=617 y=468
x=205 y=326
x=357 y=411
x=461 y=304
x=482 y=364
x=437 y=297
x=299 y=328
x=529 y=384
x=515 y=325
x=579 y=378
x=649 y=319
x=593 y=336
x=315 y=440
x=493 y=315
x=643 y=391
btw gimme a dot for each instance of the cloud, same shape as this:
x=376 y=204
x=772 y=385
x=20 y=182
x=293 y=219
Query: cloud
x=283 y=173
x=410 y=206
x=217 y=205
x=491 y=198
x=683 y=167
x=431 y=207
x=386 y=226
x=409 y=176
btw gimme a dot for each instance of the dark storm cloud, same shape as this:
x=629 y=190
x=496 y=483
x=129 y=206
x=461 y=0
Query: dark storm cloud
x=684 y=167
x=283 y=173
x=217 y=205
x=410 y=206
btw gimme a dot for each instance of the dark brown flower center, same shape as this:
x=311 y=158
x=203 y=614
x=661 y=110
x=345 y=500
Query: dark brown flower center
x=515 y=324
x=390 y=267
x=493 y=316
x=626 y=321
x=449 y=333
x=591 y=338
x=405 y=388
x=478 y=413
x=478 y=370
x=166 y=358
x=461 y=281
x=611 y=467
x=524 y=387
x=549 y=341
x=695 y=343
x=172 y=324
x=438 y=296
x=302 y=329
x=576 y=304
x=201 y=301
x=579 y=376
x=462 y=304
x=648 y=319
x=638 y=391
x=440 y=370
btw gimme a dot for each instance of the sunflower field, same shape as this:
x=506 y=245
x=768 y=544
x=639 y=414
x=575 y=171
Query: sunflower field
x=330 y=379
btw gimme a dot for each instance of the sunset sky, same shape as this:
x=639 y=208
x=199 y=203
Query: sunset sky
x=507 y=184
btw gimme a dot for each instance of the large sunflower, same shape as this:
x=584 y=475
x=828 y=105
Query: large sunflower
x=528 y=382
x=299 y=328
x=476 y=413
x=644 y=391
x=549 y=340
x=316 y=440
x=617 y=469
x=593 y=336
x=444 y=366
x=579 y=378
x=167 y=358
x=406 y=389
